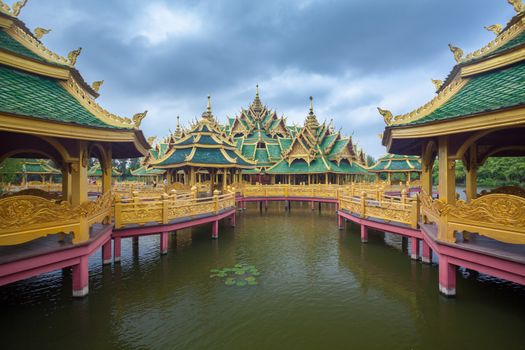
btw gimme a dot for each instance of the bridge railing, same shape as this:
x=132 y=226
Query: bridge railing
x=310 y=191
x=140 y=210
x=25 y=217
x=500 y=216
x=403 y=209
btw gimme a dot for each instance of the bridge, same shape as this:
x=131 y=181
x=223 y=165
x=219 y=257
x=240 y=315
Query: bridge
x=489 y=247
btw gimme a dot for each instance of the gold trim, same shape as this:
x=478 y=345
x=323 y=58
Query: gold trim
x=494 y=63
x=33 y=66
x=89 y=103
x=506 y=118
x=499 y=41
x=443 y=96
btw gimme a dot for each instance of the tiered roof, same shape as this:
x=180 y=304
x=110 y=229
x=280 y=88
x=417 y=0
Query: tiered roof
x=96 y=171
x=34 y=167
x=47 y=89
x=393 y=163
x=203 y=146
x=484 y=89
x=145 y=171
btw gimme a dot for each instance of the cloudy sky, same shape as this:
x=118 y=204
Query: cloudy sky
x=350 y=55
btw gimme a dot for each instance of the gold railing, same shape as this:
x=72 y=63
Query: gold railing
x=27 y=217
x=499 y=216
x=404 y=209
x=311 y=191
x=162 y=209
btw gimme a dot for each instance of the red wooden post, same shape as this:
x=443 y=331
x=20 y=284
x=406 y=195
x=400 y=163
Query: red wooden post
x=215 y=229
x=426 y=253
x=164 y=236
x=340 y=221
x=80 y=273
x=414 y=248
x=364 y=234
x=447 y=277
x=106 y=253
x=117 y=249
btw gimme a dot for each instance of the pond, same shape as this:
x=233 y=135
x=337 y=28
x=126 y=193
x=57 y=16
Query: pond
x=312 y=287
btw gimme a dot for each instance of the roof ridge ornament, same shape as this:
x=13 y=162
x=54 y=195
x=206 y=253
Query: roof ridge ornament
x=518 y=5
x=73 y=55
x=495 y=28
x=96 y=85
x=17 y=7
x=437 y=84
x=40 y=32
x=137 y=118
x=387 y=115
x=458 y=53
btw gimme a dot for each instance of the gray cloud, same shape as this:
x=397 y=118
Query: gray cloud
x=166 y=56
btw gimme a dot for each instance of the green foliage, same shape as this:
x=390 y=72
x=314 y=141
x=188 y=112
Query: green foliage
x=497 y=171
x=240 y=275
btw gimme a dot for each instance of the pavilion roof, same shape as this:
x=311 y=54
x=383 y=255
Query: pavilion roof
x=319 y=165
x=40 y=85
x=396 y=163
x=35 y=166
x=96 y=171
x=147 y=171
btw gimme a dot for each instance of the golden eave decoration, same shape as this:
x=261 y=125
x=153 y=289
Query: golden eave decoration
x=40 y=32
x=137 y=118
x=517 y=5
x=15 y=11
x=97 y=84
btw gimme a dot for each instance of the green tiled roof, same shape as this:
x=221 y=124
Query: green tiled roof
x=399 y=163
x=484 y=93
x=144 y=171
x=274 y=151
x=248 y=151
x=518 y=40
x=178 y=156
x=95 y=171
x=285 y=143
x=338 y=146
x=43 y=98
x=9 y=44
x=347 y=167
x=261 y=155
x=299 y=166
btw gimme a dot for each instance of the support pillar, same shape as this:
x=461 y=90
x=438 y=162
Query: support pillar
x=117 y=249
x=233 y=220
x=364 y=234
x=426 y=252
x=340 y=221
x=66 y=184
x=79 y=190
x=106 y=253
x=312 y=205
x=164 y=236
x=215 y=229
x=471 y=168
x=80 y=274
x=414 y=248
x=447 y=277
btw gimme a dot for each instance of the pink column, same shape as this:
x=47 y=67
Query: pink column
x=340 y=222
x=106 y=253
x=244 y=205
x=266 y=205
x=312 y=205
x=364 y=234
x=233 y=220
x=117 y=249
x=447 y=277
x=164 y=243
x=215 y=229
x=426 y=253
x=80 y=273
x=414 y=247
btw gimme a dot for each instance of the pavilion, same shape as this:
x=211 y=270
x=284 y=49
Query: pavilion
x=396 y=166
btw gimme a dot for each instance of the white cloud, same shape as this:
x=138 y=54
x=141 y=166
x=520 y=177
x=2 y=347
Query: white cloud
x=159 y=23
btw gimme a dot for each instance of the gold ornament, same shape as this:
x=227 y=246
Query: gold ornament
x=40 y=32
x=495 y=28
x=73 y=55
x=517 y=4
x=17 y=7
x=458 y=53
x=97 y=84
x=437 y=84
x=137 y=118
x=387 y=115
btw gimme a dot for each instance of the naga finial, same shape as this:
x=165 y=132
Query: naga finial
x=151 y=139
x=73 y=55
x=4 y=8
x=458 y=53
x=40 y=32
x=17 y=7
x=97 y=84
x=380 y=136
x=137 y=118
x=495 y=28
x=387 y=115
x=437 y=84
x=518 y=5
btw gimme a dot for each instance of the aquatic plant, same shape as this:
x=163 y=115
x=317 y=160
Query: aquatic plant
x=240 y=275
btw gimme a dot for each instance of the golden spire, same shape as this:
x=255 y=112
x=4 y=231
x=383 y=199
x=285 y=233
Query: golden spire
x=256 y=106
x=40 y=32
x=311 y=119
x=178 y=131
x=97 y=84
x=311 y=105
x=458 y=53
x=437 y=84
x=208 y=114
x=518 y=5
x=495 y=28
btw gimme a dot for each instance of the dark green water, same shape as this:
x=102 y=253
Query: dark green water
x=319 y=288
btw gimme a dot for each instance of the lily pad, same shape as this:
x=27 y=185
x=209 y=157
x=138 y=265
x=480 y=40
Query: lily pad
x=252 y=283
x=241 y=283
x=229 y=281
x=250 y=279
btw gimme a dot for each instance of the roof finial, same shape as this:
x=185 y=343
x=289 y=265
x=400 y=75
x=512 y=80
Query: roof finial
x=97 y=84
x=40 y=32
x=209 y=103
x=311 y=105
x=437 y=84
x=17 y=7
x=517 y=4
x=495 y=28
x=257 y=89
x=458 y=53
